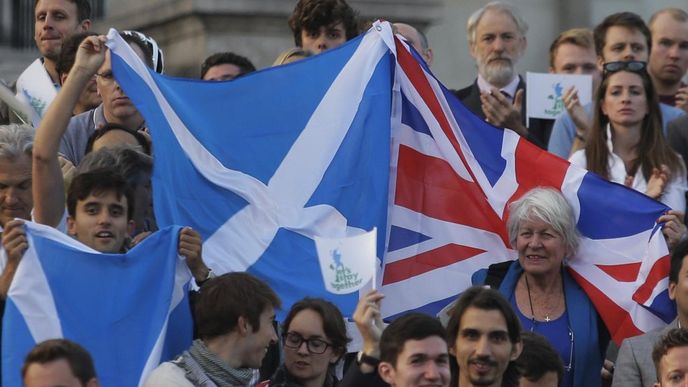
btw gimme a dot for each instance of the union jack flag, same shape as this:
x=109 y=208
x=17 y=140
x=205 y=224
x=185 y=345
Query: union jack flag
x=452 y=179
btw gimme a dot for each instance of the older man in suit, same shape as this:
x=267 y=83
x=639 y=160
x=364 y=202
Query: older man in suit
x=497 y=40
x=634 y=365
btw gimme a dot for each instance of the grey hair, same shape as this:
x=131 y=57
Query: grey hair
x=123 y=157
x=549 y=206
x=497 y=6
x=15 y=140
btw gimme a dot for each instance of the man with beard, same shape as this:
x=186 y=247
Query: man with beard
x=497 y=40
x=55 y=21
x=485 y=336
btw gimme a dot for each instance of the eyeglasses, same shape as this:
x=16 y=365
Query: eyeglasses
x=316 y=346
x=158 y=57
x=107 y=76
x=632 y=66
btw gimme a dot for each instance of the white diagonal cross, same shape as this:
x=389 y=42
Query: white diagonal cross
x=240 y=241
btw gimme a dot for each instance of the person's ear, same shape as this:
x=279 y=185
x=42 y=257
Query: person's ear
x=85 y=25
x=71 y=226
x=243 y=326
x=387 y=372
x=516 y=350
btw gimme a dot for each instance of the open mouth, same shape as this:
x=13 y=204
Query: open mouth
x=105 y=235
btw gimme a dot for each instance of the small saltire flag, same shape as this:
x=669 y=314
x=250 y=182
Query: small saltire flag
x=263 y=164
x=455 y=176
x=130 y=311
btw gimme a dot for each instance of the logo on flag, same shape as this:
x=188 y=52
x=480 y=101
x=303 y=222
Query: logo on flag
x=347 y=264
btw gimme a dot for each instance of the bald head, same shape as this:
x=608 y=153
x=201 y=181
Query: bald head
x=416 y=39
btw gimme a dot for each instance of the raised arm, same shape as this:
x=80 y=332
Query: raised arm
x=48 y=184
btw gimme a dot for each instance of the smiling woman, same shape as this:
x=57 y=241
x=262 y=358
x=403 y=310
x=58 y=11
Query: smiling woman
x=547 y=300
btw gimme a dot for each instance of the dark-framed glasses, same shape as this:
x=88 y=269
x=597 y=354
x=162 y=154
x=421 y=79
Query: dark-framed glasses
x=633 y=66
x=294 y=340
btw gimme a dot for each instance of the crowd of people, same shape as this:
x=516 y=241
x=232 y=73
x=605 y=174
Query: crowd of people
x=81 y=161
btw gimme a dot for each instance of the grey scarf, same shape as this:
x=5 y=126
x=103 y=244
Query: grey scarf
x=213 y=371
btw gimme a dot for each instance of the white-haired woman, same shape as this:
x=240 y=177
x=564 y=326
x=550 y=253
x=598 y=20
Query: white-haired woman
x=548 y=301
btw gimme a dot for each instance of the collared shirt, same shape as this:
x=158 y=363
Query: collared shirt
x=674 y=192
x=79 y=129
x=509 y=89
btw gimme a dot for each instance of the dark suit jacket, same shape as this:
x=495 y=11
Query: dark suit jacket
x=538 y=130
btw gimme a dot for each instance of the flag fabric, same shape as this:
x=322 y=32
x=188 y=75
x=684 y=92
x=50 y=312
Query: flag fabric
x=454 y=178
x=348 y=264
x=130 y=311
x=263 y=164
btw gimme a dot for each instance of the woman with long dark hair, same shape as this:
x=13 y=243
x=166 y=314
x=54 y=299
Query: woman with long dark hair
x=626 y=144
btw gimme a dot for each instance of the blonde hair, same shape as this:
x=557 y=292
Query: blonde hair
x=581 y=37
x=291 y=53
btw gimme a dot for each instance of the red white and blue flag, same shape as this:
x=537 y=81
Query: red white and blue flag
x=263 y=164
x=453 y=176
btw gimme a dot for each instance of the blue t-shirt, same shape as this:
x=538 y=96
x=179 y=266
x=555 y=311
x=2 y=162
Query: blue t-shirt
x=557 y=332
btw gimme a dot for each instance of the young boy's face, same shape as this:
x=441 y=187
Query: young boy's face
x=325 y=38
x=100 y=222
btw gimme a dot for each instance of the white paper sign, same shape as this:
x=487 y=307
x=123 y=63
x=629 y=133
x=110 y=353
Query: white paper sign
x=545 y=93
x=347 y=264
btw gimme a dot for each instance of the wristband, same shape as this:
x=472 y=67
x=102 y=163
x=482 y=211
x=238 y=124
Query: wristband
x=362 y=358
x=208 y=277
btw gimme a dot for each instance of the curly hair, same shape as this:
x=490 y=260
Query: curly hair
x=310 y=15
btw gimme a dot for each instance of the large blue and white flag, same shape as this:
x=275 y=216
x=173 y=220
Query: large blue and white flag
x=130 y=311
x=263 y=164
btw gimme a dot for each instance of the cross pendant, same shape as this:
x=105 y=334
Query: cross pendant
x=546 y=318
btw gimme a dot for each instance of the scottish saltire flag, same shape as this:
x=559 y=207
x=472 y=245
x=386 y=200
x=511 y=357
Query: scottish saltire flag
x=130 y=311
x=453 y=178
x=262 y=164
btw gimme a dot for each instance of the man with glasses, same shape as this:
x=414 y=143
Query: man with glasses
x=234 y=318
x=116 y=107
x=622 y=36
